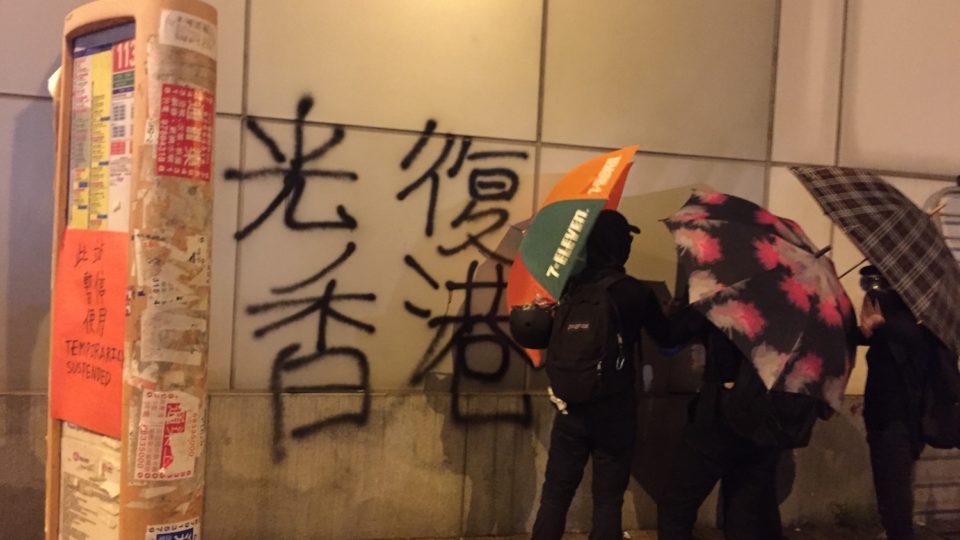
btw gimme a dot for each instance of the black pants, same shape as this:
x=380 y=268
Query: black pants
x=893 y=453
x=605 y=432
x=748 y=490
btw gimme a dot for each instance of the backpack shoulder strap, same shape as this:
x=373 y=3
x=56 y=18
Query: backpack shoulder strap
x=604 y=284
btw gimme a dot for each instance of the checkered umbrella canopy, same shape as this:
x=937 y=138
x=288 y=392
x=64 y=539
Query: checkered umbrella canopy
x=898 y=238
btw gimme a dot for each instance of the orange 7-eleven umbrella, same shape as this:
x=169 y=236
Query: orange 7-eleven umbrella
x=551 y=247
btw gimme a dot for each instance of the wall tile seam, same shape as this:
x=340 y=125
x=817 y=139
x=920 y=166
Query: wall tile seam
x=840 y=84
x=772 y=104
x=912 y=175
x=238 y=224
x=537 y=155
x=539 y=145
x=541 y=91
x=537 y=142
x=32 y=97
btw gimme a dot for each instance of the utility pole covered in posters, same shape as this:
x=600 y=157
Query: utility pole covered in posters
x=131 y=285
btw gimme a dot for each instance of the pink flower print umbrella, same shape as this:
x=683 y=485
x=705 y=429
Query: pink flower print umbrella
x=758 y=278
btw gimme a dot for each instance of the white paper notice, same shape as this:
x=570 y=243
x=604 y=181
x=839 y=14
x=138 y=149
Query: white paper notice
x=168 y=436
x=184 y=30
x=89 y=485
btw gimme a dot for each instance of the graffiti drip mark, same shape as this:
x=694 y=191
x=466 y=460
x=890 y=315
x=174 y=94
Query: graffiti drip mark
x=351 y=247
x=294 y=176
x=286 y=362
x=412 y=263
x=416 y=311
x=472 y=329
x=465 y=336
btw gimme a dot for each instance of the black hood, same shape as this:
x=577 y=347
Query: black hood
x=609 y=243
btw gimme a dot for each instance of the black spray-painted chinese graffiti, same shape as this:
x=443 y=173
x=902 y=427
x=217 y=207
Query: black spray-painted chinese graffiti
x=487 y=187
x=474 y=329
x=324 y=306
x=473 y=337
x=294 y=176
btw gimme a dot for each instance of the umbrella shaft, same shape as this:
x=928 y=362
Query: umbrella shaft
x=854 y=267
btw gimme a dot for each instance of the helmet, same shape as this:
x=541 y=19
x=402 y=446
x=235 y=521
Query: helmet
x=531 y=325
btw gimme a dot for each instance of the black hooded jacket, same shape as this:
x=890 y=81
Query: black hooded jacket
x=897 y=361
x=608 y=249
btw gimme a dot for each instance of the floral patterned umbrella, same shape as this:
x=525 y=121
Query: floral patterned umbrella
x=758 y=277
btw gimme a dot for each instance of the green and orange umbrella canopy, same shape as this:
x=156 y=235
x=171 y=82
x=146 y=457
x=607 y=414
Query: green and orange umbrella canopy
x=550 y=252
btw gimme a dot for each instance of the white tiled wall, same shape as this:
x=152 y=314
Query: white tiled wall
x=30 y=42
x=561 y=80
x=26 y=221
x=682 y=77
x=226 y=202
x=652 y=173
x=901 y=107
x=788 y=198
x=231 y=17
x=808 y=81
x=472 y=63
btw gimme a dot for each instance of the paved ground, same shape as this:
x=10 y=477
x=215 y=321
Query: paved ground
x=810 y=533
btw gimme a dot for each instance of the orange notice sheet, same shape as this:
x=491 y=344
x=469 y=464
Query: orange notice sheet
x=89 y=316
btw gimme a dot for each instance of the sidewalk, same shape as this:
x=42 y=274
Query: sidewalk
x=809 y=533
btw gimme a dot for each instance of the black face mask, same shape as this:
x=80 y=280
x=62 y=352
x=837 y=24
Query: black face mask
x=609 y=242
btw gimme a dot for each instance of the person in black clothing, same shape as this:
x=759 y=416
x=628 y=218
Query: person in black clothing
x=715 y=446
x=896 y=367
x=604 y=430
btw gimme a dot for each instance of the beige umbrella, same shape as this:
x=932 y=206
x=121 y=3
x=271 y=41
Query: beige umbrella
x=653 y=256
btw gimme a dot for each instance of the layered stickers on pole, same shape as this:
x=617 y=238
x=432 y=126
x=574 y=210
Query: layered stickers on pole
x=183 y=30
x=168 y=436
x=183 y=530
x=185 y=139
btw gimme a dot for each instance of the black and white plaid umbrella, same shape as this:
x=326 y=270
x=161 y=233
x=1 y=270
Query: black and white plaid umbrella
x=898 y=238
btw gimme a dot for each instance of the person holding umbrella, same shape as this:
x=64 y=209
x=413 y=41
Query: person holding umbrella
x=900 y=349
x=779 y=353
x=600 y=424
x=714 y=447
x=910 y=320
x=589 y=357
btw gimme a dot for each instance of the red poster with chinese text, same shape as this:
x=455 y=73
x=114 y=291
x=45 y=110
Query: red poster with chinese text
x=185 y=142
x=89 y=318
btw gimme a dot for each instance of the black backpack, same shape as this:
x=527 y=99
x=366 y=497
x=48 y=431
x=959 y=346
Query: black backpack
x=940 y=402
x=586 y=355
